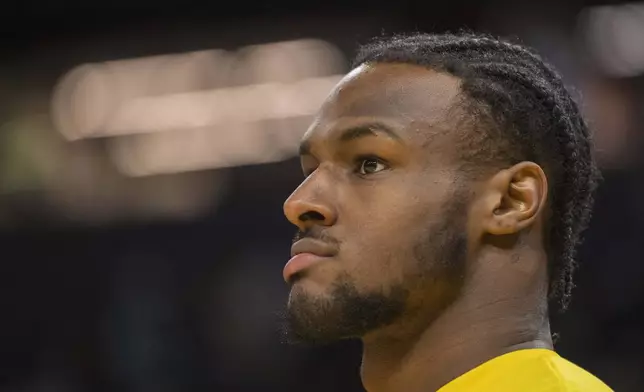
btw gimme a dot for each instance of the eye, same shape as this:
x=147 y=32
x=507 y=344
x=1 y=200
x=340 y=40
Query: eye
x=370 y=165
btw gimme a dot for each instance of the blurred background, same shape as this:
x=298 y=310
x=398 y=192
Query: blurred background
x=146 y=150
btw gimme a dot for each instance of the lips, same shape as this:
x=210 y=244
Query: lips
x=312 y=246
x=306 y=253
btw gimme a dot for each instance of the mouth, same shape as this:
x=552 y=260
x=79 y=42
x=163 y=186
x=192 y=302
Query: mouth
x=304 y=254
x=315 y=247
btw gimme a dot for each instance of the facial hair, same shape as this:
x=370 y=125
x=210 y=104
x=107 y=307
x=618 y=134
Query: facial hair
x=346 y=313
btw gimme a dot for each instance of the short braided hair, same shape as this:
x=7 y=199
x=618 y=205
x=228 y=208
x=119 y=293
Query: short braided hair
x=526 y=113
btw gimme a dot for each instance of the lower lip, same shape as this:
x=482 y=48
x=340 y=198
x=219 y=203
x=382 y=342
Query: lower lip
x=299 y=263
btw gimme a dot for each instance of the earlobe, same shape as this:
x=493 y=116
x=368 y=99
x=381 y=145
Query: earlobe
x=516 y=196
x=502 y=225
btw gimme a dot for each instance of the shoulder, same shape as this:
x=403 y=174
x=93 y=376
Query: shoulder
x=530 y=370
x=565 y=376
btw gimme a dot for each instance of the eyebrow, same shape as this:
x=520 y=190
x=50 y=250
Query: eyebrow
x=358 y=132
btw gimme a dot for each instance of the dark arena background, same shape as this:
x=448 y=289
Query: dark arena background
x=146 y=150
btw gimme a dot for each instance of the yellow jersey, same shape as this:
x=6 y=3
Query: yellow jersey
x=529 y=370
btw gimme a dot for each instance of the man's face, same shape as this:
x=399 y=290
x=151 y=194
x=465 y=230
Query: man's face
x=382 y=208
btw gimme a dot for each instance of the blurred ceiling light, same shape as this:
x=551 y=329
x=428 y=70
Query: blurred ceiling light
x=82 y=101
x=204 y=148
x=97 y=100
x=614 y=36
x=86 y=96
x=228 y=105
x=289 y=61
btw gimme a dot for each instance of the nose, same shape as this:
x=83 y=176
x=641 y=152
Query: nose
x=304 y=210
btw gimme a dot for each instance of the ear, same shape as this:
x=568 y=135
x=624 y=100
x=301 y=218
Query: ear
x=514 y=198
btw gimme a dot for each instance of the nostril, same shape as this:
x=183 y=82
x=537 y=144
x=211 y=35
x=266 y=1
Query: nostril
x=311 y=216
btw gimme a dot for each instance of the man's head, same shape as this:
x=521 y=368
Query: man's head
x=434 y=149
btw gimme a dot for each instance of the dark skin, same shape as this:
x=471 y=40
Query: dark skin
x=456 y=259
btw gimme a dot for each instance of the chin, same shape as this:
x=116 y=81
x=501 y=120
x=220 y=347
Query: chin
x=307 y=292
x=323 y=313
x=309 y=320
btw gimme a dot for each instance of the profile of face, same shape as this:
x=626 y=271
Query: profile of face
x=382 y=211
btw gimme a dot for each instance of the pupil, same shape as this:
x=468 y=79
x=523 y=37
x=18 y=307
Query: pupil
x=371 y=165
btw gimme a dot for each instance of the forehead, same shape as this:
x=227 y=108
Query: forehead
x=411 y=96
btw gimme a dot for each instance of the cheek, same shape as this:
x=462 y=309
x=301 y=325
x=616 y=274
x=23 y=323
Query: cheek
x=382 y=224
x=382 y=251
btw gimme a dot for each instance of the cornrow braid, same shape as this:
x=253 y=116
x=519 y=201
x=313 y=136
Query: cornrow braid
x=530 y=116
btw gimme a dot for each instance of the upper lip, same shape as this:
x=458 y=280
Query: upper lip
x=316 y=247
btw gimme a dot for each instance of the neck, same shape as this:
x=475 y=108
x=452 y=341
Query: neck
x=472 y=330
